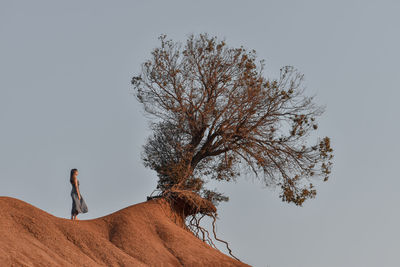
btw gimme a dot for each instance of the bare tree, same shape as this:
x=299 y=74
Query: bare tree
x=214 y=114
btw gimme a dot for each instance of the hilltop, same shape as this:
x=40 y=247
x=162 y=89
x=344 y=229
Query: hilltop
x=143 y=234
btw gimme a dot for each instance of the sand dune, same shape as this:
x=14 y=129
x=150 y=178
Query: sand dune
x=140 y=235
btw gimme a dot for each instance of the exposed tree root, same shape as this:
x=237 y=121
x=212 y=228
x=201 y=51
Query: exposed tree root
x=190 y=209
x=220 y=240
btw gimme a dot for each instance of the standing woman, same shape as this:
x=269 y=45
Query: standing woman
x=78 y=204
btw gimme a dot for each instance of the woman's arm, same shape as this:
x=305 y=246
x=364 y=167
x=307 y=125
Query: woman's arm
x=77 y=188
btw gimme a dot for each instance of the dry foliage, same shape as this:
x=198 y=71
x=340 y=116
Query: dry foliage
x=215 y=113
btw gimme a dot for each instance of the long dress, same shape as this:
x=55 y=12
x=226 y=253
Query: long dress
x=78 y=205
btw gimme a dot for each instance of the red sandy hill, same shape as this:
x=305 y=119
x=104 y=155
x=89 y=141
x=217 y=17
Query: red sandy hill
x=139 y=235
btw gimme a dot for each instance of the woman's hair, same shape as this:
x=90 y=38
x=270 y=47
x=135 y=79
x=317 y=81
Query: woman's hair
x=71 y=175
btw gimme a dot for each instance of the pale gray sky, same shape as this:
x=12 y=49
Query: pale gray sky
x=65 y=102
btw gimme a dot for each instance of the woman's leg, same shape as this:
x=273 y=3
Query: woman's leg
x=73 y=217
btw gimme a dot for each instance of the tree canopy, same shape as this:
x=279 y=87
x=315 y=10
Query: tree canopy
x=215 y=115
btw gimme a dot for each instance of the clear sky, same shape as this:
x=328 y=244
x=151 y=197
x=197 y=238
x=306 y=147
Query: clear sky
x=66 y=102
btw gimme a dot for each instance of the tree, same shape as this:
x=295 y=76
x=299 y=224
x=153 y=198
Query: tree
x=214 y=114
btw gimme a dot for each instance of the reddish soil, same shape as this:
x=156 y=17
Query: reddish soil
x=144 y=234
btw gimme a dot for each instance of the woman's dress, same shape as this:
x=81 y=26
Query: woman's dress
x=78 y=205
